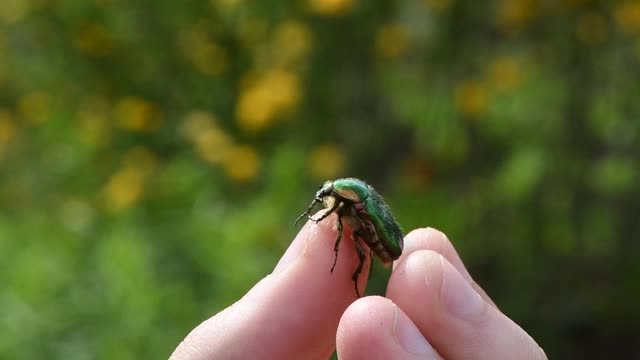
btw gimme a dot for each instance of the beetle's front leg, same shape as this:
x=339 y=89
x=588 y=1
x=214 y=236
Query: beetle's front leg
x=306 y=212
x=329 y=212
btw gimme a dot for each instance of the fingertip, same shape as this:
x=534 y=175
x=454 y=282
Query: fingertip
x=375 y=328
x=371 y=312
x=455 y=318
x=313 y=237
x=364 y=328
x=434 y=240
x=420 y=271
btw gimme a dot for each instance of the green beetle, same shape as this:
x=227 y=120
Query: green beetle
x=368 y=216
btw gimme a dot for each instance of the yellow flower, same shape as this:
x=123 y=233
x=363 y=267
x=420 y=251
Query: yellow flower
x=592 y=28
x=292 y=42
x=252 y=32
x=137 y=114
x=513 y=15
x=124 y=189
x=35 y=107
x=225 y=5
x=326 y=162
x=211 y=143
x=242 y=163
x=197 y=122
x=204 y=54
x=392 y=41
x=94 y=126
x=214 y=146
x=330 y=7
x=7 y=130
x=94 y=39
x=505 y=74
x=627 y=16
x=142 y=159
x=13 y=11
x=438 y=5
x=272 y=94
x=577 y=3
x=471 y=98
x=7 y=126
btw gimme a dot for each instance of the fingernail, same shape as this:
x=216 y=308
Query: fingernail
x=408 y=335
x=459 y=297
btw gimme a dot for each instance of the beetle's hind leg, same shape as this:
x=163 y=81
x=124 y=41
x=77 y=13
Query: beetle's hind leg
x=337 y=244
x=370 y=264
x=361 y=257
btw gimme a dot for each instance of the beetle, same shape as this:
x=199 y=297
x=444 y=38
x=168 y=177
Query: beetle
x=368 y=216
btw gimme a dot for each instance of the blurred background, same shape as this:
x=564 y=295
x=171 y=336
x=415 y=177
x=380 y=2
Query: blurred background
x=153 y=157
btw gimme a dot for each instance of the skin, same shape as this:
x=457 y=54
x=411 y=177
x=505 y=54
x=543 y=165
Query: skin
x=432 y=310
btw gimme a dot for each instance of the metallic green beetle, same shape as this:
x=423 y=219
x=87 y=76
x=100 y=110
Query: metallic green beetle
x=367 y=215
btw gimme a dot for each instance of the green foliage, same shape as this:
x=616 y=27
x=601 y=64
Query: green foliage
x=154 y=155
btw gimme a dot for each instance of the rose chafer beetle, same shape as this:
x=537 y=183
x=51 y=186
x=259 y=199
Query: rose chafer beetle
x=366 y=213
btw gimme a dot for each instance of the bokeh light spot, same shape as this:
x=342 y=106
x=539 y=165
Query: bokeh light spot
x=592 y=29
x=211 y=143
x=627 y=16
x=35 y=107
x=94 y=39
x=136 y=114
x=93 y=121
x=330 y=7
x=7 y=130
x=513 y=15
x=124 y=189
x=505 y=74
x=439 y=5
x=471 y=98
x=292 y=42
x=12 y=11
x=392 y=41
x=326 y=162
x=242 y=164
x=202 y=51
x=272 y=94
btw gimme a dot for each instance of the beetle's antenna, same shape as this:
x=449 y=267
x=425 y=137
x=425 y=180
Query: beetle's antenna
x=306 y=211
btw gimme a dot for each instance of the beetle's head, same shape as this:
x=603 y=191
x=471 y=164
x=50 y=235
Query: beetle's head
x=324 y=196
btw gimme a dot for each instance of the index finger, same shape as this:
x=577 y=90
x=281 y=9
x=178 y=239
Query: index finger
x=292 y=313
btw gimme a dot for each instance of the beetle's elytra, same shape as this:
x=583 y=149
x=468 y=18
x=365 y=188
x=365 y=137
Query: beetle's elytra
x=368 y=216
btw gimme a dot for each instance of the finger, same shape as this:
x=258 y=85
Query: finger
x=455 y=319
x=375 y=328
x=292 y=313
x=435 y=240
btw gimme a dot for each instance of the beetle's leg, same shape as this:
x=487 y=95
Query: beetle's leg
x=335 y=247
x=329 y=212
x=361 y=257
x=306 y=211
x=370 y=263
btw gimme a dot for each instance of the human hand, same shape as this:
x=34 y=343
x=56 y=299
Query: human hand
x=433 y=309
